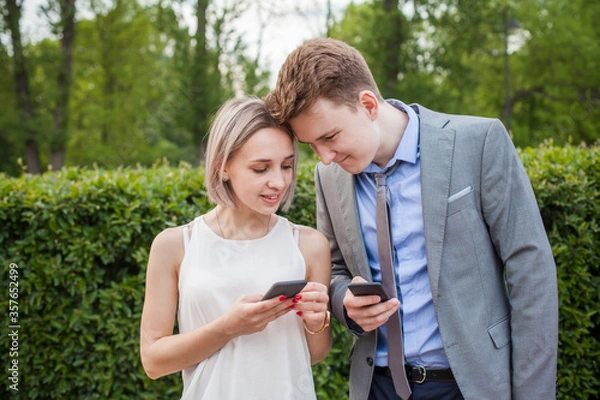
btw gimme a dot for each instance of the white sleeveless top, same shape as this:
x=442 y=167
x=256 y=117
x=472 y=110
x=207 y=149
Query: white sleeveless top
x=214 y=273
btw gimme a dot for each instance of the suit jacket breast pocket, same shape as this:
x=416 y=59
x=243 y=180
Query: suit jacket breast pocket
x=460 y=200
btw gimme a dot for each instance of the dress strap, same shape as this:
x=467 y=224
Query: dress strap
x=296 y=233
x=186 y=236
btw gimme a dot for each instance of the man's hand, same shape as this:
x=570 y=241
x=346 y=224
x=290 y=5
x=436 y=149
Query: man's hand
x=369 y=312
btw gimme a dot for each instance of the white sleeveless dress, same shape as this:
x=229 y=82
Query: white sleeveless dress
x=214 y=273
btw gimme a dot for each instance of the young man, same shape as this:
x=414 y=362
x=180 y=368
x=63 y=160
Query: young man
x=475 y=276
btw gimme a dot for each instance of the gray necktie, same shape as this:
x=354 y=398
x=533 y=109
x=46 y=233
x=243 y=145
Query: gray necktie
x=388 y=277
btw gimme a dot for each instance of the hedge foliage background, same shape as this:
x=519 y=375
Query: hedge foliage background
x=81 y=239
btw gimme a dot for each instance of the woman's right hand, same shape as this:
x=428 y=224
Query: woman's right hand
x=250 y=315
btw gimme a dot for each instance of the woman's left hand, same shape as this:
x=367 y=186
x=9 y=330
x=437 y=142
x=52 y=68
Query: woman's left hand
x=312 y=304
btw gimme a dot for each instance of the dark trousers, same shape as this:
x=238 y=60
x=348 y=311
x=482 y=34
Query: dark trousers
x=382 y=388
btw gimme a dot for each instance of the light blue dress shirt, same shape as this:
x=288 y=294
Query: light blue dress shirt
x=422 y=341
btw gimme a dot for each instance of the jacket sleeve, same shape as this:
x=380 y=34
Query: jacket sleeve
x=340 y=275
x=517 y=232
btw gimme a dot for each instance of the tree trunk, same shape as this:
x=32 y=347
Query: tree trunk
x=32 y=154
x=328 y=19
x=32 y=157
x=392 y=45
x=60 y=138
x=199 y=79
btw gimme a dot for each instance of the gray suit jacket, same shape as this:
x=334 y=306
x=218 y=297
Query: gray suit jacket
x=490 y=266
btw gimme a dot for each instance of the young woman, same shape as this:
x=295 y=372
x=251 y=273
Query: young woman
x=214 y=271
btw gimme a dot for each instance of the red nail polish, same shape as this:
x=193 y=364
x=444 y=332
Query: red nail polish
x=299 y=313
x=298 y=297
x=282 y=298
x=292 y=306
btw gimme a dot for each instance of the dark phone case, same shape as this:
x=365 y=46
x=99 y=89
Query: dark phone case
x=285 y=288
x=368 y=289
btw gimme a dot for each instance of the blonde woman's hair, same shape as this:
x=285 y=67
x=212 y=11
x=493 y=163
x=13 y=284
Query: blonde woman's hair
x=235 y=122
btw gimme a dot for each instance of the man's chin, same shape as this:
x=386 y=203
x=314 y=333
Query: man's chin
x=351 y=168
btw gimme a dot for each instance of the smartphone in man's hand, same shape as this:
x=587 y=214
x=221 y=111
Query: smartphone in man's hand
x=369 y=288
x=285 y=288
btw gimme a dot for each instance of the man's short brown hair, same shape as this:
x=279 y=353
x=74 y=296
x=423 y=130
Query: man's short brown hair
x=319 y=68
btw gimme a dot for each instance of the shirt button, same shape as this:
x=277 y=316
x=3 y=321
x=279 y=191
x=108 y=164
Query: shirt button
x=370 y=361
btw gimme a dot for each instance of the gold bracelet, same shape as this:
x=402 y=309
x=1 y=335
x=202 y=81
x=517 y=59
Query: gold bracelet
x=325 y=325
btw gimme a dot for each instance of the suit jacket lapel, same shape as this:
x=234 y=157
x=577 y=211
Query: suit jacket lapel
x=437 y=148
x=354 y=254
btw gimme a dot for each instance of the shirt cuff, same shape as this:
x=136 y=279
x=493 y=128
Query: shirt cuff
x=353 y=327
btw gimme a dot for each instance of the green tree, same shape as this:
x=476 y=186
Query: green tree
x=66 y=30
x=221 y=67
x=117 y=86
x=24 y=103
x=141 y=87
x=532 y=64
x=559 y=92
x=34 y=104
x=378 y=29
x=10 y=145
x=204 y=76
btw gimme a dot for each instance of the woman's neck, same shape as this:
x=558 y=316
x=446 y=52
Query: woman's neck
x=236 y=225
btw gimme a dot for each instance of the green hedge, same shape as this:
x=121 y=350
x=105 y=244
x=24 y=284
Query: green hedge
x=80 y=239
x=567 y=185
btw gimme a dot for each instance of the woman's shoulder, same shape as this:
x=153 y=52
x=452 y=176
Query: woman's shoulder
x=168 y=244
x=311 y=238
x=173 y=238
x=176 y=233
x=314 y=247
x=169 y=235
x=167 y=250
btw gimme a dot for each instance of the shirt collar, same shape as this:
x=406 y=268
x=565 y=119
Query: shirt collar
x=409 y=145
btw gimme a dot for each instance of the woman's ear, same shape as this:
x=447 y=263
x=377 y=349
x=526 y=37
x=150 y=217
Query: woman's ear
x=368 y=101
x=223 y=174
